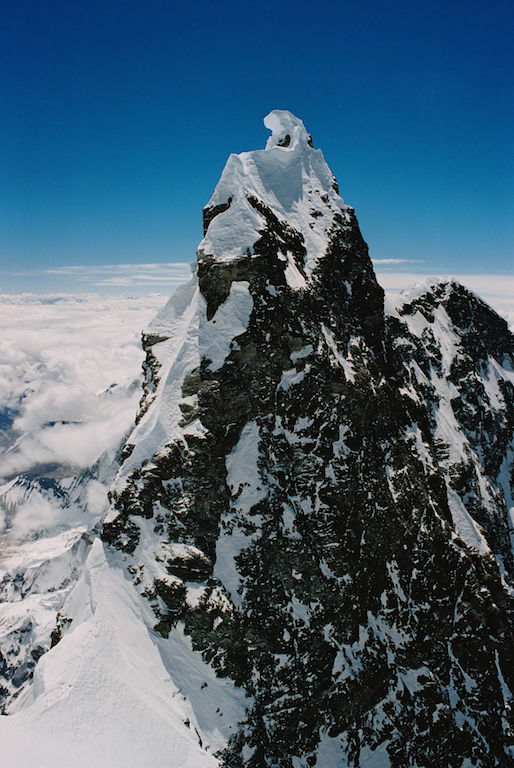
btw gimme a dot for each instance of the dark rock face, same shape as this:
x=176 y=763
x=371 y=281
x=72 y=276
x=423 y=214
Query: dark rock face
x=363 y=620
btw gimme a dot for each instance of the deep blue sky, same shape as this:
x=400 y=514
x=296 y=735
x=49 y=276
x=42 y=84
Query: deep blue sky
x=117 y=117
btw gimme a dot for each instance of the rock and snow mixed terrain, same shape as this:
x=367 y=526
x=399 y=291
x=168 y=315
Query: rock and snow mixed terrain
x=307 y=559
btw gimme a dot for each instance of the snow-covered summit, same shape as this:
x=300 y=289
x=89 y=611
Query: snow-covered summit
x=274 y=223
x=290 y=178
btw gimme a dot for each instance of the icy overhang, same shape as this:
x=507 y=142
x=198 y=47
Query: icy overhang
x=287 y=131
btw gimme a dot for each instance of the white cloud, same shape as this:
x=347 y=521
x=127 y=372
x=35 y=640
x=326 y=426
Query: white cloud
x=173 y=273
x=96 y=496
x=70 y=427
x=67 y=365
x=127 y=279
x=35 y=514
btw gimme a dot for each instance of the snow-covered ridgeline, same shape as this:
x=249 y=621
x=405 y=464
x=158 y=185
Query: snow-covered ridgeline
x=105 y=695
x=468 y=397
x=183 y=337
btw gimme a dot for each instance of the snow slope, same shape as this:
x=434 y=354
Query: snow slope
x=102 y=696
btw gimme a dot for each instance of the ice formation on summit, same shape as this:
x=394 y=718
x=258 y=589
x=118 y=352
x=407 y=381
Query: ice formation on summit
x=286 y=129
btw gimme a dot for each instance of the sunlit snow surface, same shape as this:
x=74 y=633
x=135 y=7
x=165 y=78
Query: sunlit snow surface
x=188 y=337
x=104 y=691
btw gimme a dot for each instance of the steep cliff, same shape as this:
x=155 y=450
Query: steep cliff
x=317 y=491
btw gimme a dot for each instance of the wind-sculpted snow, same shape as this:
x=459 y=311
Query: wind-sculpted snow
x=295 y=182
x=309 y=532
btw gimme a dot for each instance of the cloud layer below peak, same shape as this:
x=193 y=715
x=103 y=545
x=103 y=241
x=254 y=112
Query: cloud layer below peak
x=70 y=376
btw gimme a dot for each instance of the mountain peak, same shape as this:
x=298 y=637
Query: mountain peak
x=288 y=181
x=309 y=546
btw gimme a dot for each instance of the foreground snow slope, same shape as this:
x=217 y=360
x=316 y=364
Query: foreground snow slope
x=102 y=695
